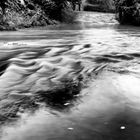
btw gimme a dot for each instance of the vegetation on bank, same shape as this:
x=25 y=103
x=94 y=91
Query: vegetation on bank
x=29 y=13
x=128 y=11
x=100 y=5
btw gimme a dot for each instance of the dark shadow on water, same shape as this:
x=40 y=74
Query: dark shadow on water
x=123 y=127
x=62 y=96
x=59 y=98
x=128 y=29
x=3 y=67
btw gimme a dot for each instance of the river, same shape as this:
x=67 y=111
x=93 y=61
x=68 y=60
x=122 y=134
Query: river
x=76 y=81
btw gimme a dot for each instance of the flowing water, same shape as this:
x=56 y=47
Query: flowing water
x=71 y=82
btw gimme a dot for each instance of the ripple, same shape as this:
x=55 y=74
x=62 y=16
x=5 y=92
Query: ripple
x=81 y=80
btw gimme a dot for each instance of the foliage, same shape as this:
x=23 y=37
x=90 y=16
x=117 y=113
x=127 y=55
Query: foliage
x=35 y=12
x=128 y=11
x=100 y=5
x=55 y=8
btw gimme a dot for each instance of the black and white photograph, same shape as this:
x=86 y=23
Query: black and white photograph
x=69 y=69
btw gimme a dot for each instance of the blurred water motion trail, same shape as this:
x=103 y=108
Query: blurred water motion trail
x=71 y=82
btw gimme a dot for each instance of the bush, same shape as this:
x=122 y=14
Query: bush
x=53 y=8
x=100 y=5
x=128 y=11
x=35 y=12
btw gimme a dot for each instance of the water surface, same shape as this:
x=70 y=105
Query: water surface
x=71 y=82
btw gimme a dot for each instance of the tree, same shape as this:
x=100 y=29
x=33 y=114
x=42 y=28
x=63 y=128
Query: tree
x=128 y=11
x=76 y=2
x=3 y=5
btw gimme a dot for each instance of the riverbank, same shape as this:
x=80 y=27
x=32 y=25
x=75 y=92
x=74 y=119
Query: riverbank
x=25 y=20
x=100 y=6
x=16 y=15
x=128 y=12
x=23 y=16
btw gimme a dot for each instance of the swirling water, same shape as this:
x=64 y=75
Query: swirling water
x=71 y=82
